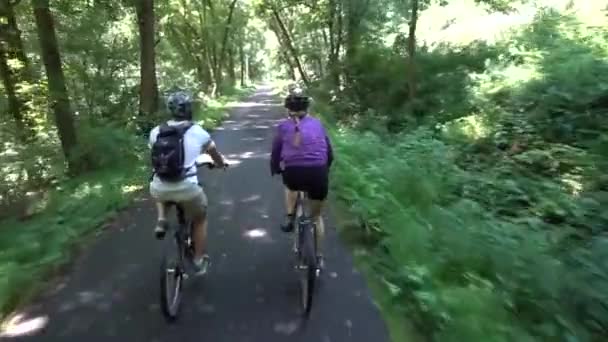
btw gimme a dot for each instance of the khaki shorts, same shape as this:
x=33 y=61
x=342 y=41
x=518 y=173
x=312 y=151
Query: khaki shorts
x=190 y=196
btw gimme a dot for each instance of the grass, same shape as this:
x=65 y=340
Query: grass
x=398 y=329
x=31 y=250
x=487 y=224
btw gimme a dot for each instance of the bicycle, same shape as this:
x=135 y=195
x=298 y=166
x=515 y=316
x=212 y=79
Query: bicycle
x=173 y=273
x=305 y=249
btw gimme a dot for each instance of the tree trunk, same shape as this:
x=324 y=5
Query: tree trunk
x=318 y=56
x=181 y=40
x=58 y=94
x=207 y=45
x=334 y=24
x=411 y=48
x=212 y=54
x=148 y=91
x=283 y=51
x=247 y=69
x=213 y=68
x=14 y=104
x=356 y=11
x=220 y=64
x=242 y=63
x=14 y=75
x=227 y=31
x=290 y=46
x=231 y=68
x=291 y=68
x=213 y=73
x=12 y=35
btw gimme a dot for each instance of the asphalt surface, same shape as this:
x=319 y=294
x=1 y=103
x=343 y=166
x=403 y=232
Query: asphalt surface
x=250 y=293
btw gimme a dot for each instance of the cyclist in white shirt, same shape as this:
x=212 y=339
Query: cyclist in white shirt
x=175 y=146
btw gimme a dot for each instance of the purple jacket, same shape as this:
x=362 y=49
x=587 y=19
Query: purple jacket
x=314 y=150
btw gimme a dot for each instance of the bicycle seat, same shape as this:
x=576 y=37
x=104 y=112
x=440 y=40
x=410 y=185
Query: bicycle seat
x=171 y=204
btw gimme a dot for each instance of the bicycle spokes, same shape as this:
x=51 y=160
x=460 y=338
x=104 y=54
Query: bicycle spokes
x=171 y=280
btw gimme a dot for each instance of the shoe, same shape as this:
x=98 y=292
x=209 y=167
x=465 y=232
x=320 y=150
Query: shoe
x=201 y=265
x=287 y=226
x=161 y=229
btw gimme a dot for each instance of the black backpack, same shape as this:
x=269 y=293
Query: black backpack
x=168 y=152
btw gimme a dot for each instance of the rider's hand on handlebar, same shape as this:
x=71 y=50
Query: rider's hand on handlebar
x=224 y=165
x=206 y=160
x=215 y=166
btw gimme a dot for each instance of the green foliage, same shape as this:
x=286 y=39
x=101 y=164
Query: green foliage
x=381 y=84
x=99 y=48
x=484 y=219
x=33 y=248
x=105 y=142
x=445 y=238
x=43 y=211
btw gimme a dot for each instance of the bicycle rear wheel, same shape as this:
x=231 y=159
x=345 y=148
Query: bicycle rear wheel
x=299 y=214
x=171 y=278
x=307 y=266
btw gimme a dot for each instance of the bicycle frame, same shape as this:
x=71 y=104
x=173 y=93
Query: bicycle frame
x=299 y=218
x=305 y=251
x=177 y=271
x=183 y=236
x=302 y=217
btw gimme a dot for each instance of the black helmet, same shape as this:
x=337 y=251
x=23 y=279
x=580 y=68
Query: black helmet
x=179 y=105
x=297 y=100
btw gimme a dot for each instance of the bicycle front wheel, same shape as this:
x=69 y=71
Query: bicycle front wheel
x=171 y=279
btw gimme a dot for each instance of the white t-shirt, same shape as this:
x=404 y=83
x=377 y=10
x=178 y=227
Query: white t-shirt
x=194 y=140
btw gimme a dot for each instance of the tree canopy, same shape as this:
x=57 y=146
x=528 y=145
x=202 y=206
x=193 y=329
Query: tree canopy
x=471 y=136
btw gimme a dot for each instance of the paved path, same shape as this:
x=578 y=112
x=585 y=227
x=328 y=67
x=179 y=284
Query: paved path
x=250 y=293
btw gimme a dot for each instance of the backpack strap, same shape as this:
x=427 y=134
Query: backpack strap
x=165 y=129
x=185 y=127
x=182 y=129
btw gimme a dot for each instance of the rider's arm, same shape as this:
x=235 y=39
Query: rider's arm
x=208 y=146
x=330 y=151
x=217 y=157
x=153 y=135
x=275 y=155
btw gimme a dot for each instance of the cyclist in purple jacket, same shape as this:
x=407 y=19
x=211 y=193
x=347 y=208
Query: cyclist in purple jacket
x=301 y=144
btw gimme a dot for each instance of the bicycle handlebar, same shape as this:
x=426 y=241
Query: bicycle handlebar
x=205 y=160
x=202 y=160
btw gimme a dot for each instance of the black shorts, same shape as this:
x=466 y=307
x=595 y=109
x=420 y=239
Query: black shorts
x=313 y=180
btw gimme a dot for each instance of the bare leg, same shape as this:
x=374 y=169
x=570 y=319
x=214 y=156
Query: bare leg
x=199 y=234
x=290 y=201
x=161 y=211
x=161 y=222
